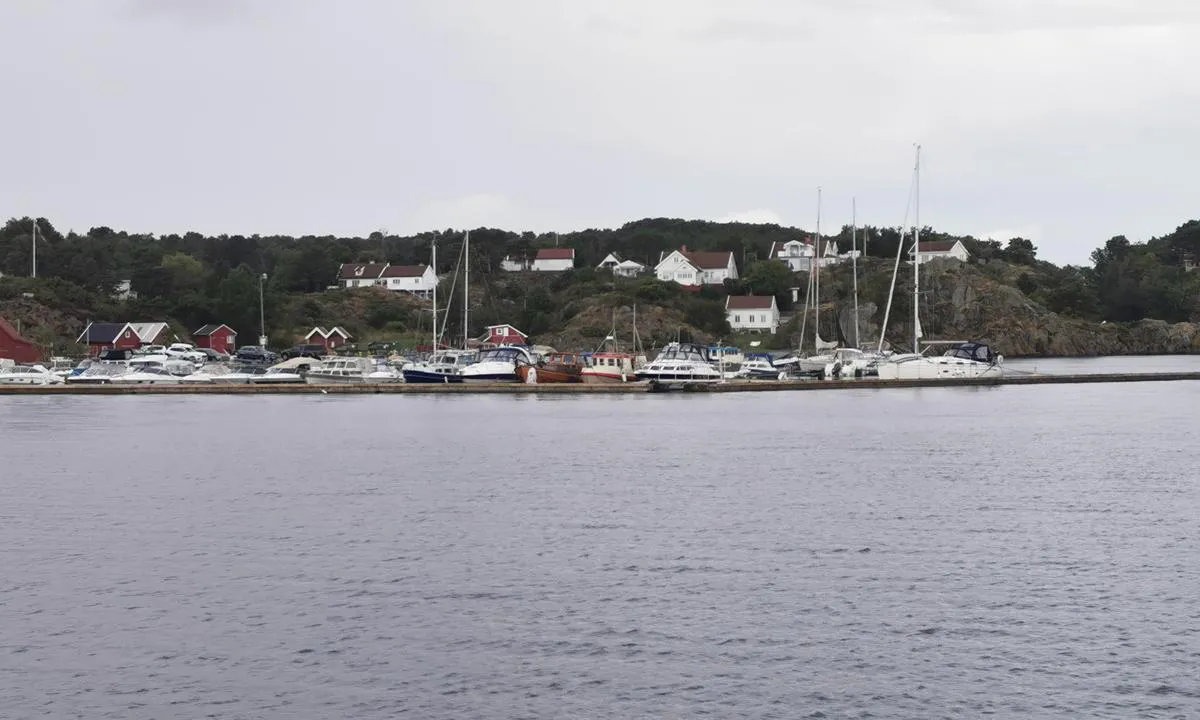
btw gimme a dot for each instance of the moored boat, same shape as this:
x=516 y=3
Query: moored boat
x=611 y=367
x=498 y=365
x=681 y=363
x=554 y=368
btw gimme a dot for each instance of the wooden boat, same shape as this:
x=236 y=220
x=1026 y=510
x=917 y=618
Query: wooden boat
x=612 y=367
x=554 y=368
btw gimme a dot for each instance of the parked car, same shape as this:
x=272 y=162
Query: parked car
x=184 y=351
x=115 y=354
x=256 y=354
x=310 y=351
x=213 y=355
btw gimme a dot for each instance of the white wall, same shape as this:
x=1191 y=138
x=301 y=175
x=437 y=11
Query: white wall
x=552 y=265
x=754 y=320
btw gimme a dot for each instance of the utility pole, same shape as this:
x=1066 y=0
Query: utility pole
x=262 y=314
x=33 y=273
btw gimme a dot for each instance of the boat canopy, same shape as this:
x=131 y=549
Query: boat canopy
x=976 y=351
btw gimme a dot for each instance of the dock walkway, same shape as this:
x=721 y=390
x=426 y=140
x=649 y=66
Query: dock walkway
x=577 y=389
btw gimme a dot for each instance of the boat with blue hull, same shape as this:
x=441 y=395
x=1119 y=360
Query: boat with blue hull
x=498 y=365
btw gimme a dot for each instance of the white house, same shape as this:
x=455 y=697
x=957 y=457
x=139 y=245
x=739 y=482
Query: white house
x=553 y=260
x=753 y=313
x=360 y=274
x=955 y=250
x=686 y=267
x=798 y=254
x=416 y=279
x=514 y=264
x=124 y=290
x=621 y=268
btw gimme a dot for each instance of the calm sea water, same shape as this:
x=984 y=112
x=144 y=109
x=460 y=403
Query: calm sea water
x=937 y=553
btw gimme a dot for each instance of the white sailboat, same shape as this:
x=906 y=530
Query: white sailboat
x=965 y=360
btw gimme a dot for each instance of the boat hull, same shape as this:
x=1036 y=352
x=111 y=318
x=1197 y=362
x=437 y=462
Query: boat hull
x=922 y=368
x=670 y=377
x=496 y=377
x=549 y=374
x=598 y=378
x=334 y=379
x=426 y=377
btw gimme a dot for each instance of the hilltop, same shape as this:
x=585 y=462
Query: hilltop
x=1133 y=298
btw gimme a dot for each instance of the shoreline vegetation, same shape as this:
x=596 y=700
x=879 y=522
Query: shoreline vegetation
x=1133 y=299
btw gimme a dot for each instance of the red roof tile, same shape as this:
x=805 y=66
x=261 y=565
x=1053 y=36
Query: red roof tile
x=749 y=302
x=555 y=254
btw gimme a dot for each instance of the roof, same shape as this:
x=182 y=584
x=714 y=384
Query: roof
x=710 y=260
x=749 y=302
x=148 y=332
x=101 y=333
x=555 y=254
x=630 y=263
x=490 y=328
x=359 y=271
x=937 y=247
x=399 y=271
x=212 y=329
x=336 y=330
x=9 y=330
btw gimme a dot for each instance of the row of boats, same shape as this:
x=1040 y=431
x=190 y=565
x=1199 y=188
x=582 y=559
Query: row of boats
x=676 y=363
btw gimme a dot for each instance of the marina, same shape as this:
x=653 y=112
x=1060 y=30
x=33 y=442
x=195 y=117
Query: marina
x=627 y=388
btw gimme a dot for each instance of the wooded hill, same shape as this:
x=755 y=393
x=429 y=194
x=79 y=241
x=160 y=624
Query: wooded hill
x=192 y=279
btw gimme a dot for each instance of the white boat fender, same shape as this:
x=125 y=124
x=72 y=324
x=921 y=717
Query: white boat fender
x=531 y=376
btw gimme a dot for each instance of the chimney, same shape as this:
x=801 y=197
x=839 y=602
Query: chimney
x=683 y=248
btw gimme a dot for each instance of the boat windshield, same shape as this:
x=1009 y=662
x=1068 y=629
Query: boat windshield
x=503 y=354
x=681 y=352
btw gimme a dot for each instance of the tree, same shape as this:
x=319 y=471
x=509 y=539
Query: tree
x=768 y=277
x=1021 y=251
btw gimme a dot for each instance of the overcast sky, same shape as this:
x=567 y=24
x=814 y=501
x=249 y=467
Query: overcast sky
x=1066 y=121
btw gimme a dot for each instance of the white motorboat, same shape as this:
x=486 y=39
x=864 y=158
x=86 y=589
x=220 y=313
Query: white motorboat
x=498 y=365
x=235 y=375
x=341 y=371
x=96 y=372
x=759 y=368
x=288 y=372
x=146 y=375
x=680 y=363
x=28 y=375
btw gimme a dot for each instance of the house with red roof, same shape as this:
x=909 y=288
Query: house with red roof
x=416 y=279
x=497 y=335
x=221 y=338
x=353 y=275
x=752 y=313
x=330 y=339
x=15 y=347
x=939 y=250
x=692 y=268
x=553 y=260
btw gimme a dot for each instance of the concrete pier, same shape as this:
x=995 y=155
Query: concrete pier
x=580 y=389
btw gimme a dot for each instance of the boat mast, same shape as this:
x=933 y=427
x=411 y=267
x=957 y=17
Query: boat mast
x=817 y=280
x=33 y=273
x=854 y=260
x=917 y=254
x=433 y=264
x=466 y=284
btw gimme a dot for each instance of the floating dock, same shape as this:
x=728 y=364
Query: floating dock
x=635 y=388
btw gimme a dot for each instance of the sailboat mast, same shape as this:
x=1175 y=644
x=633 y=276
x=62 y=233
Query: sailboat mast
x=917 y=255
x=433 y=264
x=817 y=279
x=33 y=272
x=854 y=260
x=466 y=285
